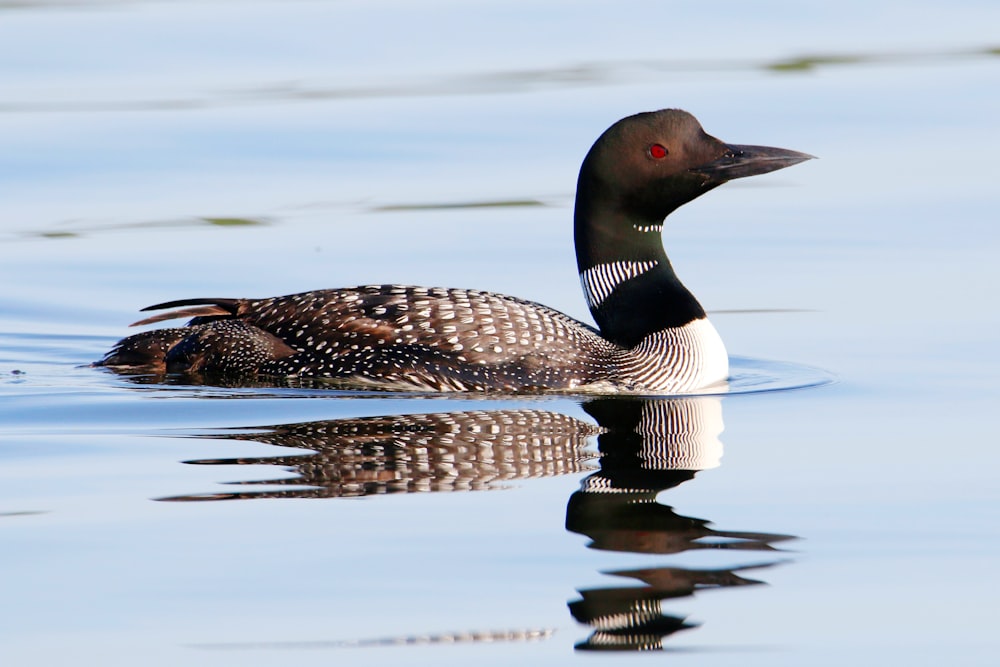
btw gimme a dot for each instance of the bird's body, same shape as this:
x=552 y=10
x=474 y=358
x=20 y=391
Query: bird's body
x=652 y=336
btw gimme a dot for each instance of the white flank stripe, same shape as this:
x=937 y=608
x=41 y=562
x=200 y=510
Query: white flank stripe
x=601 y=280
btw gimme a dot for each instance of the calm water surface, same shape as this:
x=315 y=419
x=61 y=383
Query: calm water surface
x=154 y=150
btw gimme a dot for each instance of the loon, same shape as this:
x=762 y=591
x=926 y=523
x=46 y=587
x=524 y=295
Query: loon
x=652 y=335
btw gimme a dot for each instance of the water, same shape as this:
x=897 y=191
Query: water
x=152 y=151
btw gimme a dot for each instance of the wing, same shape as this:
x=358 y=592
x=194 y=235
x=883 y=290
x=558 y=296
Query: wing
x=428 y=338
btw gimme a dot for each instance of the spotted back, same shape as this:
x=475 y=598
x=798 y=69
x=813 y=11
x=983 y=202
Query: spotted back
x=399 y=336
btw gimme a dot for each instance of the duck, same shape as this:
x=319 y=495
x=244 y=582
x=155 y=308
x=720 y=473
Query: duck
x=652 y=336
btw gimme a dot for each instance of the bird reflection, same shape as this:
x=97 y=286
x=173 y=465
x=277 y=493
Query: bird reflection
x=650 y=446
x=644 y=447
x=448 y=451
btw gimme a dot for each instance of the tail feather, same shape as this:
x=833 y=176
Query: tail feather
x=191 y=308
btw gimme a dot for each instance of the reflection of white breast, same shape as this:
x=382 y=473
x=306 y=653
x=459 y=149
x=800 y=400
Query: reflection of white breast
x=675 y=360
x=681 y=433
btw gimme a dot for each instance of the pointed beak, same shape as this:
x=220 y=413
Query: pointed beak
x=739 y=161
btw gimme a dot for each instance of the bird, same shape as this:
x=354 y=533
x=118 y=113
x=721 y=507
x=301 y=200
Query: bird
x=652 y=335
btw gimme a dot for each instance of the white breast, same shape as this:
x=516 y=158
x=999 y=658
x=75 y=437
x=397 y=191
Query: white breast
x=676 y=360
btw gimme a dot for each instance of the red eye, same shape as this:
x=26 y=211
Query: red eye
x=657 y=151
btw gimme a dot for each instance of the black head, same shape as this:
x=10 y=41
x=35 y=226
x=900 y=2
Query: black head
x=645 y=166
x=642 y=168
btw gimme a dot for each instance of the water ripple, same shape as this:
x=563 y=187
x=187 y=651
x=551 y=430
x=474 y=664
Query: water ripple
x=578 y=75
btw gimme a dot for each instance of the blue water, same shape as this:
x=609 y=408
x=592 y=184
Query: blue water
x=152 y=151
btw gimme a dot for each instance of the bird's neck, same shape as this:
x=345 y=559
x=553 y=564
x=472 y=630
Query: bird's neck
x=628 y=281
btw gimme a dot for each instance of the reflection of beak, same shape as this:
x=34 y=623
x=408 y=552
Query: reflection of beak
x=739 y=161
